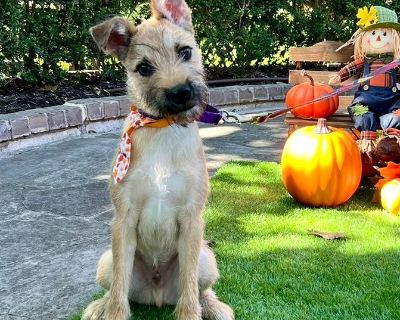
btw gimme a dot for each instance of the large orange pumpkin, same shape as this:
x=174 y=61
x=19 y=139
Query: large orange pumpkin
x=321 y=166
x=390 y=196
x=305 y=92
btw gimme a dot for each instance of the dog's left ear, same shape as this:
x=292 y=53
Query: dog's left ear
x=176 y=11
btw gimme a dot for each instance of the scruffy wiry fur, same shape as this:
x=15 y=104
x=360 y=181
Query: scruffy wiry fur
x=158 y=254
x=159 y=40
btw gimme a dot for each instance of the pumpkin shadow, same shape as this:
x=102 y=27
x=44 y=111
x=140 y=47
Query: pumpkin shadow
x=362 y=199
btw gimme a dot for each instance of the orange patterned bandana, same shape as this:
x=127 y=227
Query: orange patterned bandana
x=136 y=120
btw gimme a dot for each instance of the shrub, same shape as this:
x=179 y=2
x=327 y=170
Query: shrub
x=41 y=39
x=258 y=32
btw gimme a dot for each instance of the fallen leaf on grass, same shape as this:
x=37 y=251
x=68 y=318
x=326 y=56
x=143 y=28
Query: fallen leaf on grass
x=328 y=235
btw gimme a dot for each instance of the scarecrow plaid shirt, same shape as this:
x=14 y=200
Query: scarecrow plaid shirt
x=357 y=67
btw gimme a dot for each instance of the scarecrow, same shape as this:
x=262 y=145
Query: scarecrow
x=377 y=102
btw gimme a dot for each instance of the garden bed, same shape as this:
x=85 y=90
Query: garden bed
x=20 y=96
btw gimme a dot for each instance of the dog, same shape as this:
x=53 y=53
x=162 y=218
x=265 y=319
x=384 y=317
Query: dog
x=158 y=255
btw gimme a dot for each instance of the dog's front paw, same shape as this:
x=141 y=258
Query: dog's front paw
x=188 y=311
x=95 y=310
x=118 y=310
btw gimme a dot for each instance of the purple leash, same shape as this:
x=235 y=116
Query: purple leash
x=211 y=115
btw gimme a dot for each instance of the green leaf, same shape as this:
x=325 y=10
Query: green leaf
x=360 y=109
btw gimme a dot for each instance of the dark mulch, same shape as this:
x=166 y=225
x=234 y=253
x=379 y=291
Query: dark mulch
x=20 y=96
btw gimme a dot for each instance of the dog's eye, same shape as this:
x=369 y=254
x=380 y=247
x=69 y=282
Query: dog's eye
x=185 y=53
x=373 y=33
x=384 y=34
x=145 y=69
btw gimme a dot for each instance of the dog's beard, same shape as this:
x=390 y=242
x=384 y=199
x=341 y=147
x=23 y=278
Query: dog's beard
x=188 y=116
x=196 y=110
x=156 y=104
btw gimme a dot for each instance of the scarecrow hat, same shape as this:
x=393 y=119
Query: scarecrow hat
x=377 y=17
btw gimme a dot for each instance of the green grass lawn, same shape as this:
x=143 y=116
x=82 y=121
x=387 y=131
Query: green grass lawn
x=271 y=268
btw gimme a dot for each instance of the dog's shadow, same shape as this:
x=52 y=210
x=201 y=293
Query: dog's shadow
x=141 y=311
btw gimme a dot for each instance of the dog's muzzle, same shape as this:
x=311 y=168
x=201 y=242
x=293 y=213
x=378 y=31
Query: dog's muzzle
x=180 y=98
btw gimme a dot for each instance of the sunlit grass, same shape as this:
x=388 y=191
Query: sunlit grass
x=271 y=268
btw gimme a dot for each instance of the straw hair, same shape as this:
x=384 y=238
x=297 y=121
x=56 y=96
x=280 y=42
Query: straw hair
x=360 y=45
x=396 y=39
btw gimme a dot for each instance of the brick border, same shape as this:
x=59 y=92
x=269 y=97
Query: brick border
x=79 y=113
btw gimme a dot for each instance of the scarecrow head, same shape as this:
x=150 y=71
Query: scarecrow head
x=379 y=33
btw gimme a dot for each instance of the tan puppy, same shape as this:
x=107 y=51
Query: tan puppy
x=158 y=254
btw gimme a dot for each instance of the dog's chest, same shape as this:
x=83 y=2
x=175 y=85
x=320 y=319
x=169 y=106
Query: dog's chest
x=165 y=180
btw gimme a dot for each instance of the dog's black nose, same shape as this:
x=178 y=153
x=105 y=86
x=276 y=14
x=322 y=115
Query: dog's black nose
x=181 y=94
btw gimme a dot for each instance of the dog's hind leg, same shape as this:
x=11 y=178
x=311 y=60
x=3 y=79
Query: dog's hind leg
x=211 y=307
x=140 y=289
x=104 y=270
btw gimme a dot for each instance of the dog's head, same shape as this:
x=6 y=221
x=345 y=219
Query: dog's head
x=162 y=60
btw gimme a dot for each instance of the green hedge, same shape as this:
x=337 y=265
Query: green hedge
x=39 y=39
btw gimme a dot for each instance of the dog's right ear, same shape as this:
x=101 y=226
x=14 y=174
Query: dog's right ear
x=113 y=36
x=176 y=11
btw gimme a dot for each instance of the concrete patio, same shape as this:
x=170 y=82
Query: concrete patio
x=55 y=214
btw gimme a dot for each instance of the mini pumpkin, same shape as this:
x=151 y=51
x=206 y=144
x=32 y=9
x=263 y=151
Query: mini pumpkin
x=321 y=166
x=306 y=92
x=390 y=196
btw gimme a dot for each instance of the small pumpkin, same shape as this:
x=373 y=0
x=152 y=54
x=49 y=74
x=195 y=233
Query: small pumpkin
x=306 y=92
x=321 y=166
x=390 y=196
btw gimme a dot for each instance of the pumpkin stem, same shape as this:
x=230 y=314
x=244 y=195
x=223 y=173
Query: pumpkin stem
x=305 y=74
x=322 y=128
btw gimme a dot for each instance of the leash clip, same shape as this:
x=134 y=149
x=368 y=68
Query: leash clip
x=231 y=117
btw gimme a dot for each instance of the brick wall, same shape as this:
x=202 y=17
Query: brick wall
x=78 y=113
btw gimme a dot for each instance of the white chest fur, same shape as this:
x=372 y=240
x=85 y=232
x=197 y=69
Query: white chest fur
x=167 y=178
